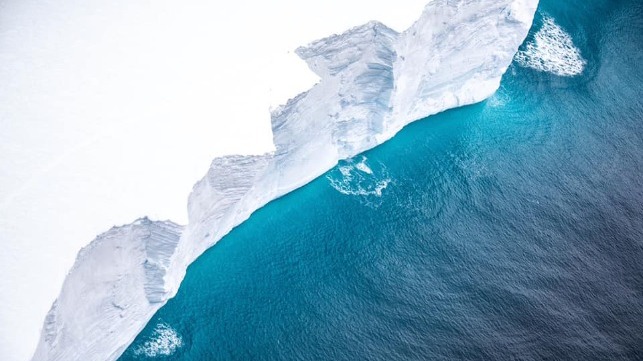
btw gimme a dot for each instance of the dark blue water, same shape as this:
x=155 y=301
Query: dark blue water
x=511 y=229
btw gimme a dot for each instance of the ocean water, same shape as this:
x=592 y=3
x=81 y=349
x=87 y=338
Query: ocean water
x=507 y=230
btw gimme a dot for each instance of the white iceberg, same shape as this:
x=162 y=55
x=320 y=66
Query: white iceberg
x=374 y=81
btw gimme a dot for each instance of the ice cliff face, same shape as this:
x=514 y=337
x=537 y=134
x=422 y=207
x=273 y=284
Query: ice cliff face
x=373 y=82
x=116 y=282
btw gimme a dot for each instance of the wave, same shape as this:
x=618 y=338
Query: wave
x=553 y=51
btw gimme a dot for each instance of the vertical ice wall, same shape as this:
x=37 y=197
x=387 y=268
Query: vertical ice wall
x=116 y=282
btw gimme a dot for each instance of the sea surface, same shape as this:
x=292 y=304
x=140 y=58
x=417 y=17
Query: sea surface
x=507 y=230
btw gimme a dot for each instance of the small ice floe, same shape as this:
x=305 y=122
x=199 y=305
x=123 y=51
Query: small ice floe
x=163 y=342
x=552 y=50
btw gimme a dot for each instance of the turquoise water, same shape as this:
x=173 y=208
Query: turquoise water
x=510 y=229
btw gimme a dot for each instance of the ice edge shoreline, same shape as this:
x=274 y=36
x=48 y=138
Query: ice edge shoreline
x=374 y=81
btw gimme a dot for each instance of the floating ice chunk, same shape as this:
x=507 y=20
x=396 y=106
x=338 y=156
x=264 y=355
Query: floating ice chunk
x=362 y=166
x=552 y=51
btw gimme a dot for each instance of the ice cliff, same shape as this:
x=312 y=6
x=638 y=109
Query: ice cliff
x=114 y=284
x=374 y=81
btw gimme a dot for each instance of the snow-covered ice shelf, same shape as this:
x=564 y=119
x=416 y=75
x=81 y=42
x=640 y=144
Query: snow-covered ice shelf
x=373 y=81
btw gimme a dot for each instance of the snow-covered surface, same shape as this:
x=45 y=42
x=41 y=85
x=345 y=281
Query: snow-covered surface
x=552 y=50
x=373 y=81
x=112 y=109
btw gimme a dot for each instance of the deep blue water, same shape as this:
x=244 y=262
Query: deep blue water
x=508 y=230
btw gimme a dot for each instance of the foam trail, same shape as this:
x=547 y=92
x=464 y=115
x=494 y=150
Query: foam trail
x=552 y=51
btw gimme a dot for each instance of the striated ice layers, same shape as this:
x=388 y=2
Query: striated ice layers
x=374 y=81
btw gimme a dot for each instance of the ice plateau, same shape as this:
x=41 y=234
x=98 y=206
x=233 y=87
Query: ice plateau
x=373 y=81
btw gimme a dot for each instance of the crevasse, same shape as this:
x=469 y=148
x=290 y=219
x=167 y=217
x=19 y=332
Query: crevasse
x=374 y=81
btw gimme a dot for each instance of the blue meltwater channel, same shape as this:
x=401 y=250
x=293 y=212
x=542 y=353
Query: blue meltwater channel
x=507 y=230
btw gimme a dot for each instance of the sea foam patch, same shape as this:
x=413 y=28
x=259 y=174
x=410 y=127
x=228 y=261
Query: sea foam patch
x=359 y=178
x=552 y=51
x=164 y=342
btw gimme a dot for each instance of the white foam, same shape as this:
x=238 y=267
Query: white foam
x=359 y=179
x=164 y=342
x=552 y=51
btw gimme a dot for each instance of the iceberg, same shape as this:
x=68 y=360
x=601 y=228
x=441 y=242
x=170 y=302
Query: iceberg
x=373 y=82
